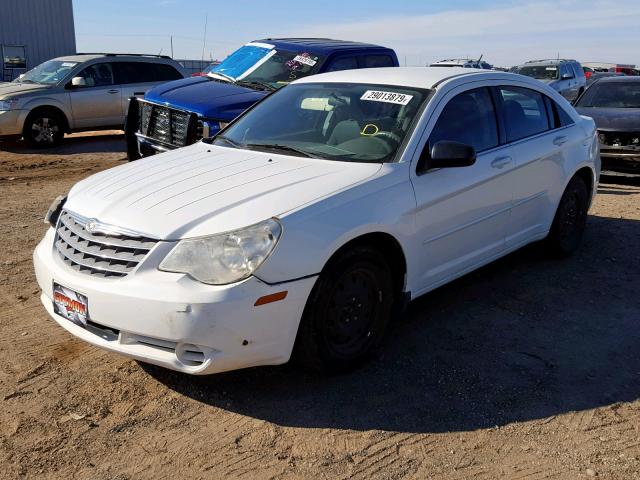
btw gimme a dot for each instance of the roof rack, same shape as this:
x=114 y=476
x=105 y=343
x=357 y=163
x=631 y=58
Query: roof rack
x=124 y=54
x=551 y=60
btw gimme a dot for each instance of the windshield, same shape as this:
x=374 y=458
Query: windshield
x=335 y=121
x=263 y=64
x=47 y=73
x=540 y=72
x=612 y=95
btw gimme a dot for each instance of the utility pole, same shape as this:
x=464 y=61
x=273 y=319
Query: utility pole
x=171 y=46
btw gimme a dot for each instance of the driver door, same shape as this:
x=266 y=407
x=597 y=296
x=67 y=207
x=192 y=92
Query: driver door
x=462 y=212
x=97 y=104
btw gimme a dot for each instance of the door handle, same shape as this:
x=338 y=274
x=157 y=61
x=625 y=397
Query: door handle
x=562 y=139
x=501 y=162
x=113 y=91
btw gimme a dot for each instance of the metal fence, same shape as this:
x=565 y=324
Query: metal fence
x=195 y=66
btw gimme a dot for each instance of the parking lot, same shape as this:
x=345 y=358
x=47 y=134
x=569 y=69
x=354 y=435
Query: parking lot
x=526 y=369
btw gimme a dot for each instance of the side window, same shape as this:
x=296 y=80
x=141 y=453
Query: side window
x=468 y=118
x=558 y=115
x=524 y=112
x=128 y=72
x=342 y=63
x=566 y=70
x=577 y=70
x=374 y=61
x=98 y=75
x=164 y=73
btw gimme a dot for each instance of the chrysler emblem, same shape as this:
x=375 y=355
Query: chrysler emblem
x=91 y=225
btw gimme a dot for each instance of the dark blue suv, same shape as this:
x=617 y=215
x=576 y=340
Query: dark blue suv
x=179 y=113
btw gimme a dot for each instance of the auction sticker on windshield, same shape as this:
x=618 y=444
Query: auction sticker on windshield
x=305 y=59
x=70 y=304
x=387 y=97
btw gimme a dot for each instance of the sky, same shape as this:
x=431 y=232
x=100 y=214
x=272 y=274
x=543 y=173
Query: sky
x=421 y=31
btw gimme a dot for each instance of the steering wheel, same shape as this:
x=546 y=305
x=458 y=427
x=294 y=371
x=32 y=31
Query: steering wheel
x=390 y=135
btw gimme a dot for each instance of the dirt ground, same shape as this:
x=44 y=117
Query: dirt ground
x=526 y=369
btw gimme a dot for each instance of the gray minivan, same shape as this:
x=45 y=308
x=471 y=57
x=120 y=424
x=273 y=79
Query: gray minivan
x=78 y=92
x=564 y=76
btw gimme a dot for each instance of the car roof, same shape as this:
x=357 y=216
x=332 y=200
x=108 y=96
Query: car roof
x=85 y=57
x=551 y=61
x=417 y=77
x=317 y=45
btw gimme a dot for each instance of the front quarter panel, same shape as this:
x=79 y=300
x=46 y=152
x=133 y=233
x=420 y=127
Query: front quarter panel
x=313 y=233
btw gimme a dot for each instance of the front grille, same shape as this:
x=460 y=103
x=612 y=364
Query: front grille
x=98 y=254
x=166 y=125
x=619 y=139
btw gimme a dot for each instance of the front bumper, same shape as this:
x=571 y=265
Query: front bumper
x=170 y=320
x=11 y=123
x=620 y=159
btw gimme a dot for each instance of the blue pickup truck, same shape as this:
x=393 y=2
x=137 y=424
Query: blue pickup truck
x=179 y=113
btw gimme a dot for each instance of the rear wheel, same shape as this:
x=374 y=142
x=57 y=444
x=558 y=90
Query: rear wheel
x=43 y=129
x=570 y=219
x=347 y=312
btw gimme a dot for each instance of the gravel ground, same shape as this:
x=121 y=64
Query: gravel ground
x=526 y=369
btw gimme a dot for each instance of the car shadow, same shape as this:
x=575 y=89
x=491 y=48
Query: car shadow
x=95 y=142
x=524 y=338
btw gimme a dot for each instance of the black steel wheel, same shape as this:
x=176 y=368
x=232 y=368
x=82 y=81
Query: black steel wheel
x=570 y=220
x=43 y=129
x=347 y=312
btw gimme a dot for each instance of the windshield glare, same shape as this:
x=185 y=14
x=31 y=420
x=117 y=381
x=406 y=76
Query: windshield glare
x=540 y=72
x=262 y=63
x=47 y=73
x=348 y=122
x=612 y=95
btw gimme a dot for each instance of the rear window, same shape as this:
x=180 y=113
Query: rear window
x=374 y=61
x=144 y=72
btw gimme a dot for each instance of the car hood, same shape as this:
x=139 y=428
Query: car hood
x=204 y=189
x=12 y=88
x=207 y=97
x=614 y=119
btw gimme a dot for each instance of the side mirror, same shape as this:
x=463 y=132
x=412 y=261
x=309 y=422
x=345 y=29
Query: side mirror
x=77 y=82
x=21 y=76
x=566 y=76
x=447 y=154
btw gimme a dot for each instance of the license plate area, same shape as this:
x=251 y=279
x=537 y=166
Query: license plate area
x=72 y=305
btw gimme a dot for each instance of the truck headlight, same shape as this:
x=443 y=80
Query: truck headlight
x=226 y=257
x=9 y=104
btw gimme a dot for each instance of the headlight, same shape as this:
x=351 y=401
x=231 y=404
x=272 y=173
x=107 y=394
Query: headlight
x=8 y=104
x=53 y=213
x=226 y=257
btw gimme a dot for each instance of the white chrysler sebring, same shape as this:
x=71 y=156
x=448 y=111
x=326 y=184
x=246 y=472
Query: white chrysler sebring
x=303 y=225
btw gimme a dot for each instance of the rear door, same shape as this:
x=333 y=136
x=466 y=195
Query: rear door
x=538 y=149
x=135 y=78
x=97 y=104
x=462 y=213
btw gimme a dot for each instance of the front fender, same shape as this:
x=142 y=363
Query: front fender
x=47 y=101
x=312 y=234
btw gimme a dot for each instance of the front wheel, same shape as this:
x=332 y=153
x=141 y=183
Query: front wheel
x=43 y=129
x=570 y=219
x=347 y=313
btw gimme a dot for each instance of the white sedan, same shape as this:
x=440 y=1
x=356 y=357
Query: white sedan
x=302 y=226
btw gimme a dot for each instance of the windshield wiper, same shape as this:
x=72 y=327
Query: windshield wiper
x=256 y=83
x=285 y=148
x=233 y=143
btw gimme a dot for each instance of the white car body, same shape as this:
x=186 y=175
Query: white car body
x=447 y=222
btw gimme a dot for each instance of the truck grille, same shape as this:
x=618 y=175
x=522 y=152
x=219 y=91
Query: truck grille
x=102 y=255
x=166 y=125
x=619 y=139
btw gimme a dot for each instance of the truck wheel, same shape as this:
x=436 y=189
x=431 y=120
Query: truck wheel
x=569 y=222
x=347 y=313
x=43 y=128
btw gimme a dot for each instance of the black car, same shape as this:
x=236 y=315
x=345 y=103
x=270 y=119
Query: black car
x=614 y=104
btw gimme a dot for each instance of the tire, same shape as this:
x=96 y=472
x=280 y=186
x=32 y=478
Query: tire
x=43 y=128
x=347 y=313
x=570 y=219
